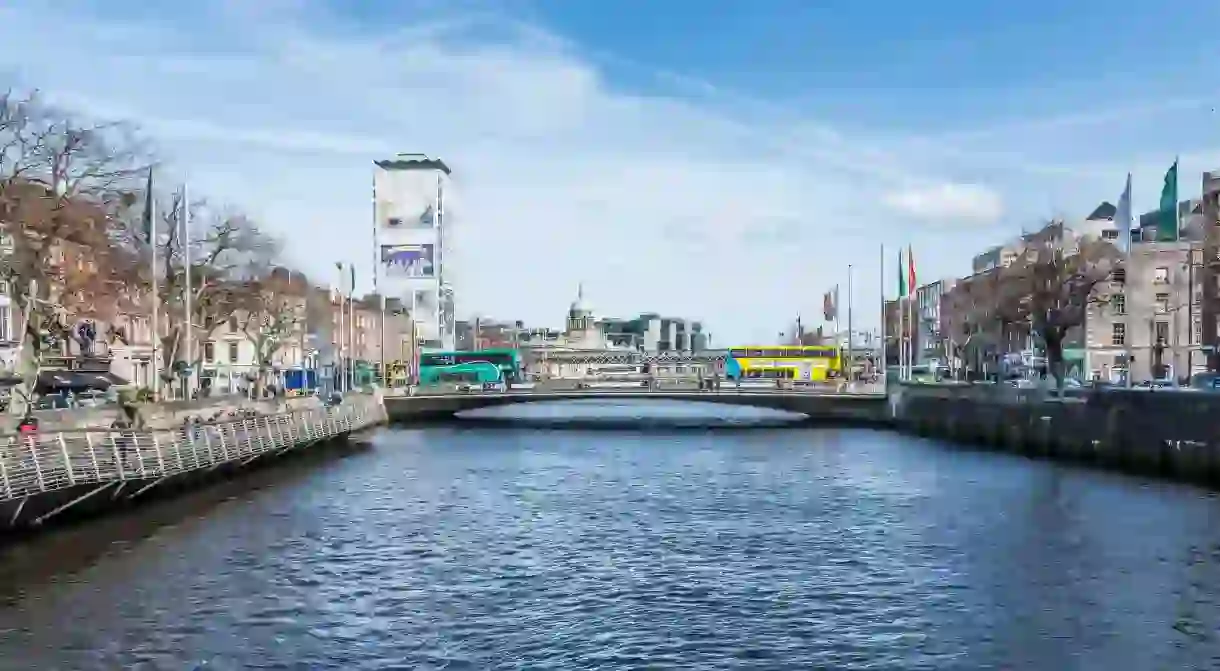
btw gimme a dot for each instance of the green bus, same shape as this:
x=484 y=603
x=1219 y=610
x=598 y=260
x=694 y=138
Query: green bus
x=480 y=367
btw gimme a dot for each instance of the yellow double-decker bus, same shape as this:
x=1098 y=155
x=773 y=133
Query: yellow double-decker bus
x=800 y=363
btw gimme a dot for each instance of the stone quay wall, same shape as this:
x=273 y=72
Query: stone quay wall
x=1170 y=433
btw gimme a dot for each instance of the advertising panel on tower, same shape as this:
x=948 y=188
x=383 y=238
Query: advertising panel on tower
x=409 y=260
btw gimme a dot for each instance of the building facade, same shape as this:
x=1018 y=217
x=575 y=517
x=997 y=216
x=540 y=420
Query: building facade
x=932 y=343
x=1208 y=231
x=1153 y=301
x=1151 y=308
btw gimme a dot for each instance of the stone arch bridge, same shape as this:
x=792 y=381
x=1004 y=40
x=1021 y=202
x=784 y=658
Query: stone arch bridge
x=870 y=408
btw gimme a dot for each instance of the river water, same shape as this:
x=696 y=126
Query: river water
x=530 y=548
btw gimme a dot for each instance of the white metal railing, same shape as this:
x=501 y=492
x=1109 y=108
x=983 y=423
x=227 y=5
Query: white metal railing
x=43 y=462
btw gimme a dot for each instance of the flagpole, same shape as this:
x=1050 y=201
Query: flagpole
x=882 y=365
x=911 y=307
x=851 y=359
x=351 y=327
x=438 y=258
x=338 y=382
x=189 y=344
x=902 y=320
x=385 y=378
x=305 y=292
x=1125 y=226
x=414 y=374
x=156 y=297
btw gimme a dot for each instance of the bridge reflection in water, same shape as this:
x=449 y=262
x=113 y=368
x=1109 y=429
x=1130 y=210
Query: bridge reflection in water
x=636 y=414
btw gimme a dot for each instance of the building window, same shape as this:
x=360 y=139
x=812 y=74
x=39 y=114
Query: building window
x=1119 y=334
x=394 y=222
x=1120 y=275
x=1109 y=234
x=1162 y=303
x=1161 y=333
x=1196 y=332
x=1160 y=276
x=209 y=352
x=4 y=326
x=232 y=352
x=1118 y=303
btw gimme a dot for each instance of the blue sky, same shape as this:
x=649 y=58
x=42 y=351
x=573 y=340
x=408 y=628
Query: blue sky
x=718 y=160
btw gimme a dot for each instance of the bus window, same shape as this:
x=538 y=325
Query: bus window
x=771 y=373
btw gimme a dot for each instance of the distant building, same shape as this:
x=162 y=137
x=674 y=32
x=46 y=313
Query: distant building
x=583 y=331
x=929 y=331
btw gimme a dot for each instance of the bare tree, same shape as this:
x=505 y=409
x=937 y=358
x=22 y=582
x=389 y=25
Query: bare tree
x=1056 y=276
x=271 y=315
x=226 y=250
x=64 y=183
x=972 y=319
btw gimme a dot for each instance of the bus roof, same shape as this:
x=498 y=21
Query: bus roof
x=492 y=350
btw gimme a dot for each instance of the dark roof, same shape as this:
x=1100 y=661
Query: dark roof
x=1104 y=211
x=413 y=162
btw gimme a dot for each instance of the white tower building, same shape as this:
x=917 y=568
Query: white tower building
x=410 y=223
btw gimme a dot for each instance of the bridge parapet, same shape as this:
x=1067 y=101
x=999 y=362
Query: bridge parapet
x=863 y=406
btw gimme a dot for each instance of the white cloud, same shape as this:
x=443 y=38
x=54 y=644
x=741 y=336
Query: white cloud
x=714 y=206
x=948 y=203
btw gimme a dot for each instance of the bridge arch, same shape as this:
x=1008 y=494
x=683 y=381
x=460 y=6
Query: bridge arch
x=870 y=408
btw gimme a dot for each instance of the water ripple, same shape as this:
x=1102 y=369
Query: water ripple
x=460 y=549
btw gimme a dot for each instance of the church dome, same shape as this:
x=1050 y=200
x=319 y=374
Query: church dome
x=580 y=307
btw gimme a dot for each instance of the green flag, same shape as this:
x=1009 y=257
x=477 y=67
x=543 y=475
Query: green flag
x=902 y=277
x=1167 y=215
